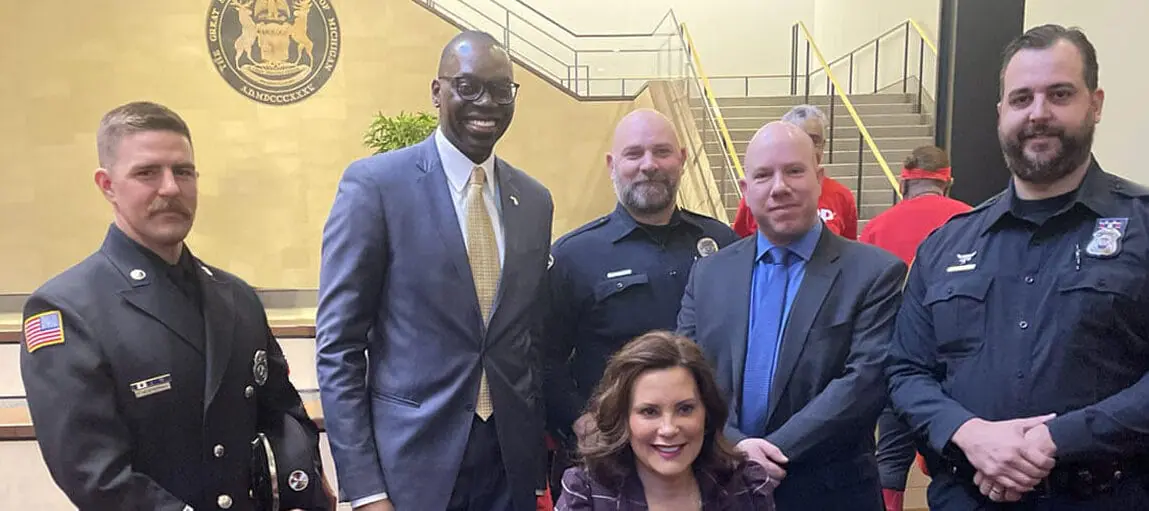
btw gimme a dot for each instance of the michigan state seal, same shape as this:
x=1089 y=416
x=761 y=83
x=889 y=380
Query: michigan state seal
x=275 y=52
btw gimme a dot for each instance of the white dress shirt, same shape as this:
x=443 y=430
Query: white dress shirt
x=458 y=168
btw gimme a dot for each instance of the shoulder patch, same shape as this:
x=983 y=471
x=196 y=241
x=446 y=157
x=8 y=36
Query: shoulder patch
x=43 y=329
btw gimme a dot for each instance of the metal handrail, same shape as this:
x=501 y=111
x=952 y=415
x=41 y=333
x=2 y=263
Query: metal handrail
x=692 y=51
x=854 y=114
x=905 y=26
x=577 y=81
x=924 y=36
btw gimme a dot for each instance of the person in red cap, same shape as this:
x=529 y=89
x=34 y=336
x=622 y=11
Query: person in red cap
x=836 y=205
x=926 y=179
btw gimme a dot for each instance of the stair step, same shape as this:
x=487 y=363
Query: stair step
x=753 y=122
x=894 y=157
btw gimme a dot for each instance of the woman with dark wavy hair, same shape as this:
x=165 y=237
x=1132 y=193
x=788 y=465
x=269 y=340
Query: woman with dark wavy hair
x=658 y=441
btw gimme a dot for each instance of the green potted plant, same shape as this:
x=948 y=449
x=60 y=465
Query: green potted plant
x=387 y=133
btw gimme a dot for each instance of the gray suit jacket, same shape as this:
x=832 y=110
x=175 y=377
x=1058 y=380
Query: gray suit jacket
x=400 y=340
x=829 y=386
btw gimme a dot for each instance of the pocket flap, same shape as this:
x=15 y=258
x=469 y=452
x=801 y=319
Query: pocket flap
x=969 y=287
x=1099 y=281
x=609 y=287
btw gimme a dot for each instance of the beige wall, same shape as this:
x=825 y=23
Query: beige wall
x=268 y=173
x=1112 y=27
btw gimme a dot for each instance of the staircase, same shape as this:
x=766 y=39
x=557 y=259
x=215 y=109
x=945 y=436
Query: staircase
x=892 y=119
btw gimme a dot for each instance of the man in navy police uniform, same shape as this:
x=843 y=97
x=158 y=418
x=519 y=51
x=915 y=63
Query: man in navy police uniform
x=1021 y=351
x=623 y=274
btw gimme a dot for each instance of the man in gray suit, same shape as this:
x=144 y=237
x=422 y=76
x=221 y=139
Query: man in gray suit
x=434 y=260
x=796 y=321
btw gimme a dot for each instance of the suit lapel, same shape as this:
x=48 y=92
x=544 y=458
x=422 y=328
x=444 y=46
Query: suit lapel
x=514 y=226
x=219 y=325
x=821 y=271
x=437 y=195
x=737 y=316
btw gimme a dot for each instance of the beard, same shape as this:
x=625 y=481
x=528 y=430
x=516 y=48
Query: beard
x=646 y=196
x=1073 y=152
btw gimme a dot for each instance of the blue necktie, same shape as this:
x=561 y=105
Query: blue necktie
x=770 y=281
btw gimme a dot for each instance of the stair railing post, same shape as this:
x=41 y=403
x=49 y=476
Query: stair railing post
x=794 y=60
x=921 y=63
x=858 y=199
x=851 y=89
x=877 y=47
x=831 y=133
x=906 y=59
x=806 y=98
x=507 y=31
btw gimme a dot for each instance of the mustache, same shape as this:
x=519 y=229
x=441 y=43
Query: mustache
x=160 y=206
x=1040 y=130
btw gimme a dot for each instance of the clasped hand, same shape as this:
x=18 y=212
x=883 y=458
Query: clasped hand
x=1011 y=457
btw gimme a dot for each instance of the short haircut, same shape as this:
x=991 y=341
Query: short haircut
x=1045 y=36
x=801 y=113
x=132 y=118
x=607 y=455
x=476 y=37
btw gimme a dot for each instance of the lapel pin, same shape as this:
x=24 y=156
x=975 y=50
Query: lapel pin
x=207 y=271
x=514 y=200
x=137 y=274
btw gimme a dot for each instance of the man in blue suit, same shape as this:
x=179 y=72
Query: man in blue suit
x=434 y=262
x=796 y=321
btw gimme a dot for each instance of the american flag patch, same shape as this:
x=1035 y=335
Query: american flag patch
x=43 y=329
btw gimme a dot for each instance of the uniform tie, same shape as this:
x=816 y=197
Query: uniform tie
x=483 y=254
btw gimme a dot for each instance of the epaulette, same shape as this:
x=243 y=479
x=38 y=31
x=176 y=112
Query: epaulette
x=1128 y=188
x=587 y=227
x=697 y=215
x=985 y=204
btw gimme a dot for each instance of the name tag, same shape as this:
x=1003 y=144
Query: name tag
x=152 y=386
x=619 y=273
x=960 y=267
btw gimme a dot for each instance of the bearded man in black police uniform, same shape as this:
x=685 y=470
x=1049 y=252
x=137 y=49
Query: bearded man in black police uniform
x=148 y=373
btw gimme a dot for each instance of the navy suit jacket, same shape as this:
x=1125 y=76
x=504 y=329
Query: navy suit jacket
x=829 y=385
x=400 y=340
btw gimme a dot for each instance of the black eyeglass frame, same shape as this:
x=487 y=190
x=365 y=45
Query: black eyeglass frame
x=484 y=87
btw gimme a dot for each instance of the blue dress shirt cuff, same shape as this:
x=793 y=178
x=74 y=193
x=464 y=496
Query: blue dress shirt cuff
x=368 y=500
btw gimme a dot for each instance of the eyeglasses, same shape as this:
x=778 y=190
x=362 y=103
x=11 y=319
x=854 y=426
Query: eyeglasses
x=471 y=89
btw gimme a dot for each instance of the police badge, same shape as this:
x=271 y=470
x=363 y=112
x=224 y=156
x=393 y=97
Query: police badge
x=707 y=246
x=259 y=367
x=1107 y=234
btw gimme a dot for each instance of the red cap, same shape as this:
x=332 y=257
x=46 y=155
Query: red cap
x=942 y=174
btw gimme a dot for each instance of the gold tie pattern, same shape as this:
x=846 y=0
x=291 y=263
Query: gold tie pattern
x=483 y=254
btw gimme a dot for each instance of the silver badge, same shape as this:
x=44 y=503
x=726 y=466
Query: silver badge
x=207 y=271
x=707 y=246
x=259 y=367
x=137 y=274
x=298 y=480
x=1107 y=236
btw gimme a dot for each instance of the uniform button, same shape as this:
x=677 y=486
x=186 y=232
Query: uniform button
x=1023 y=325
x=218 y=451
x=1020 y=375
x=950 y=290
x=224 y=502
x=673 y=273
x=1029 y=279
x=249 y=391
x=188 y=508
x=619 y=285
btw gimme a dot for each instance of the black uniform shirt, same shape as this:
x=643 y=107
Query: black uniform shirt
x=1022 y=308
x=612 y=280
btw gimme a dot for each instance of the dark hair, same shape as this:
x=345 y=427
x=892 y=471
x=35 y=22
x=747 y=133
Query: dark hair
x=607 y=454
x=1045 y=36
x=927 y=157
x=132 y=118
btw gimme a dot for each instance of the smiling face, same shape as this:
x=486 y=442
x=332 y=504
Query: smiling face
x=470 y=62
x=667 y=422
x=646 y=162
x=782 y=183
x=1047 y=115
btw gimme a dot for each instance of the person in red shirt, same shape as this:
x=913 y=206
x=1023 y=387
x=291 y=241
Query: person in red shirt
x=926 y=180
x=836 y=205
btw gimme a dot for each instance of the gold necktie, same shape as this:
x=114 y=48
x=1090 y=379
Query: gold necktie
x=483 y=254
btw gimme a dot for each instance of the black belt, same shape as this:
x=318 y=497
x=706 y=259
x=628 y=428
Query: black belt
x=1079 y=480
